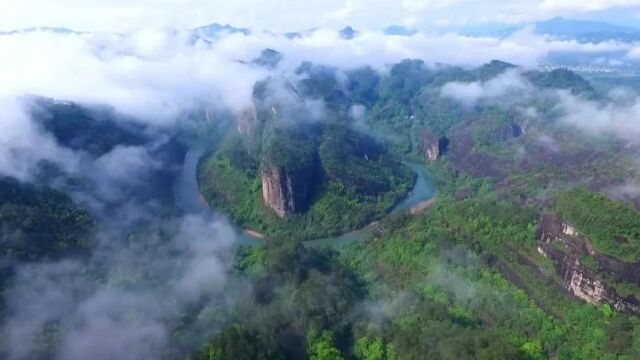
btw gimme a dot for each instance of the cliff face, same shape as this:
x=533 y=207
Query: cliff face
x=432 y=145
x=286 y=192
x=559 y=241
x=247 y=120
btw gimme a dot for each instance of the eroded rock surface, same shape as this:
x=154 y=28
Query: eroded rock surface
x=562 y=243
x=433 y=146
x=286 y=192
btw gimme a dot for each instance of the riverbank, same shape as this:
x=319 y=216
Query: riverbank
x=188 y=196
x=254 y=234
x=354 y=234
x=422 y=206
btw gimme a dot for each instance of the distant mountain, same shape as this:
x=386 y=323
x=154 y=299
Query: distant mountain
x=570 y=29
x=586 y=31
x=214 y=31
x=293 y=35
x=268 y=58
x=399 y=30
x=348 y=33
x=57 y=30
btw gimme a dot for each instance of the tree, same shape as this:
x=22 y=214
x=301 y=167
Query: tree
x=323 y=348
x=237 y=343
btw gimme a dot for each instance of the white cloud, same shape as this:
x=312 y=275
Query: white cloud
x=150 y=74
x=23 y=144
x=126 y=315
x=586 y=5
x=509 y=83
x=157 y=75
x=620 y=119
x=283 y=15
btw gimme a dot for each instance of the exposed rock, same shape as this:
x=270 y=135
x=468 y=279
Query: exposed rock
x=269 y=59
x=618 y=270
x=569 y=230
x=559 y=241
x=247 y=120
x=432 y=145
x=286 y=192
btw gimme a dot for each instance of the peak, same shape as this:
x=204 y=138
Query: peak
x=348 y=33
x=215 y=29
x=269 y=58
x=499 y=63
x=399 y=30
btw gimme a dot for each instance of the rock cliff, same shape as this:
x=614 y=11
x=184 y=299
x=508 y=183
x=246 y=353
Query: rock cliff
x=285 y=192
x=432 y=146
x=565 y=246
x=247 y=120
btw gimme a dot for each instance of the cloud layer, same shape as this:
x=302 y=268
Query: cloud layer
x=121 y=15
x=147 y=284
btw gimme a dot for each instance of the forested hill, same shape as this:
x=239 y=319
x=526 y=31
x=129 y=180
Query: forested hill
x=486 y=272
x=529 y=251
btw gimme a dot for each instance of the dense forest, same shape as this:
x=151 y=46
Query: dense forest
x=336 y=177
x=477 y=274
x=465 y=278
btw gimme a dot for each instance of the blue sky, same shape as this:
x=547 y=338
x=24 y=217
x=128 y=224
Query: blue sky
x=289 y=15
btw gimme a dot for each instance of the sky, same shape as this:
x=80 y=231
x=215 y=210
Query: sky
x=291 y=15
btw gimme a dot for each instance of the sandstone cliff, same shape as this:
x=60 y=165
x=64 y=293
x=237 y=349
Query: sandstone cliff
x=286 y=192
x=562 y=243
x=432 y=145
x=247 y=120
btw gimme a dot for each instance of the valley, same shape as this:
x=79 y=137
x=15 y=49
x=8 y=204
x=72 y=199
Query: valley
x=403 y=209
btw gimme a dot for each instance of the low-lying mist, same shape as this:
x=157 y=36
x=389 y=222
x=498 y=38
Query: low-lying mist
x=158 y=279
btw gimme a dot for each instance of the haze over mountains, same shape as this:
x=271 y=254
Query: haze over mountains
x=581 y=30
x=556 y=42
x=323 y=192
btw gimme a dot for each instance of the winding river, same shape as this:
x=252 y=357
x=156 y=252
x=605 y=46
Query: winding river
x=188 y=198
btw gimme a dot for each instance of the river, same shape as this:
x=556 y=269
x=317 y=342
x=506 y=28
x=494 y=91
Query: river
x=188 y=198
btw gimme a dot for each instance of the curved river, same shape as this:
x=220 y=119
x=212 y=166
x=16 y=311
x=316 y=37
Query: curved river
x=188 y=198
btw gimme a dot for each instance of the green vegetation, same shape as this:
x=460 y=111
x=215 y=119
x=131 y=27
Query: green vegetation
x=242 y=344
x=323 y=348
x=614 y=227
x=461 y=281
x=78 y=127
x=39 y=223
x=350 y=183
x=561 y=79
x=427 y=289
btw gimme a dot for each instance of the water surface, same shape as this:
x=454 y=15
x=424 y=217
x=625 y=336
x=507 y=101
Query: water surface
x=188 y=198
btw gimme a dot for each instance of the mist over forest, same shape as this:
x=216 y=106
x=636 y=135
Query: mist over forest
x=439 y=184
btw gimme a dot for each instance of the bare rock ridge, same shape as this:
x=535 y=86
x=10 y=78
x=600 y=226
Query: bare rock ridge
x=565 y=246
x=433 y=146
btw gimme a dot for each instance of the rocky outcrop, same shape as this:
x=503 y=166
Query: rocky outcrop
x=285 y=192
x=433 y=146
x=269 y=59
x=562 y=243
x=247 y=120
